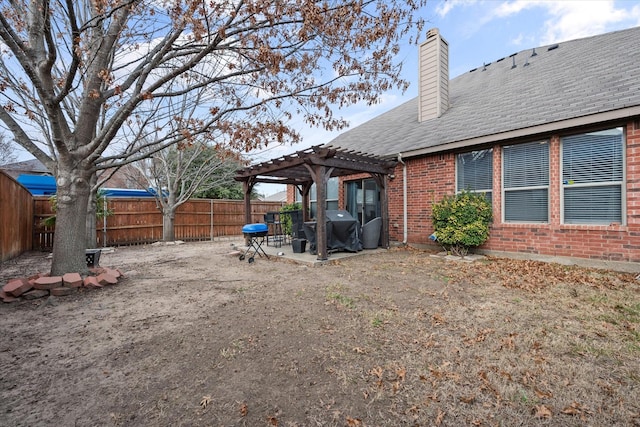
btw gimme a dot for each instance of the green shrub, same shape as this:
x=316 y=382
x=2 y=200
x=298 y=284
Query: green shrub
x=285 y=220
x=461 y=221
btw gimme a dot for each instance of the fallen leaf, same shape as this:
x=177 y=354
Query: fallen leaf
x=467 y=399
x=574 y=409
x=354 y=422
x=440 y=417
x=272 y=420
x=570 y=410
x=542 y=411
x=377 y=371
x=244 y=410
x=401 y=372
x=542 y=394
x=437 y=319
x=205 y=401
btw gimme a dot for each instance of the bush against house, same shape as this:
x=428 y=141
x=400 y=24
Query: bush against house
x=461 y=221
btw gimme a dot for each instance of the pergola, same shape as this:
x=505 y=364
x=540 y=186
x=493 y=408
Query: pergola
x=316 y=165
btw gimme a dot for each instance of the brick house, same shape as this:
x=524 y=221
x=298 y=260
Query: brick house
x=551 y=135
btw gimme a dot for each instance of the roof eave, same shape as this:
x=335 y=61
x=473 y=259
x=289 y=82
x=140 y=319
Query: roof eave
x=607 y=116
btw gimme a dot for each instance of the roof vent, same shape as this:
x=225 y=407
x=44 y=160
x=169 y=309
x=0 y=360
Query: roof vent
x=534 y=52
x=552 y=47
x=513 y=64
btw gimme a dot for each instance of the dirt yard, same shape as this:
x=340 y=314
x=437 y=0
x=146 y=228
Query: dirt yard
x=195 y=337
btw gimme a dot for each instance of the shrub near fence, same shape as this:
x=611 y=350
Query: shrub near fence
x=138 y=220
x=16 y=213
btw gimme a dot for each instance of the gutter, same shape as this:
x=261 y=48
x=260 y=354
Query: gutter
x=405 y=234
x=535 y=131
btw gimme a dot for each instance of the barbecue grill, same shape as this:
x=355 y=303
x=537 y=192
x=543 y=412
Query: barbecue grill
x=255 y=235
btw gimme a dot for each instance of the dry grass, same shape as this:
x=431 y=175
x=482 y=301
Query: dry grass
x=390 y=339
x=500 y=342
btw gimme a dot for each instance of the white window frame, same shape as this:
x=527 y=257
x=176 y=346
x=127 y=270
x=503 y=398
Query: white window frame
x=485 y=191
x=505 y=190
x=567 y=185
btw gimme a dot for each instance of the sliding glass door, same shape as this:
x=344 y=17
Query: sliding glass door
x=363 y=199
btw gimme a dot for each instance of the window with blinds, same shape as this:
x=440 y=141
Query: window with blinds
x=593 y=177
x=525 y=181
x=474 y=172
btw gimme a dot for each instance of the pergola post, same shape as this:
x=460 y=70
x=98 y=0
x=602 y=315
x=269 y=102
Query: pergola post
x=304 y=191
x=320 y=176
x=247 y=187
x=382 y=182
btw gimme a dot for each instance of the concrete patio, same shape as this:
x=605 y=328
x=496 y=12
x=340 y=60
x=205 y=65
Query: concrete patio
x=285 y=251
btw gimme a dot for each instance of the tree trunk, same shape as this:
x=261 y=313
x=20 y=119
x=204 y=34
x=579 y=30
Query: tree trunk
x=168 y=230
x=70 y=238
x=92 y=206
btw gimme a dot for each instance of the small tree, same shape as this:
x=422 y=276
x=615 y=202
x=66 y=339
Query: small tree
x=7 y=152
x=461 y=221
x=177 y=173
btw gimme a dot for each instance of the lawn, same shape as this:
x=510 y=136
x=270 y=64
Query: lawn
x=195 y=337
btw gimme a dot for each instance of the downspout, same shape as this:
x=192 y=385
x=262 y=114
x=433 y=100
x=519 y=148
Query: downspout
x=405 y=233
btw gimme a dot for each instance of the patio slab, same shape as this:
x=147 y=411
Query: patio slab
x=286 y=252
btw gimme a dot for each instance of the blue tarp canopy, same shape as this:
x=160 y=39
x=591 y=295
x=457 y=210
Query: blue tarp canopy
x=38 y=185
x=126 y=192
x=45 y=185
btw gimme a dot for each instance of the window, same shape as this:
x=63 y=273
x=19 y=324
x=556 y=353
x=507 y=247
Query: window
x=332 y=197
x=525 y=170
x=592 y=177
x=474 y=172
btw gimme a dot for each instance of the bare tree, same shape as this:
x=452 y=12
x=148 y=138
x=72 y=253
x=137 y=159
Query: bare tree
x=177 y=173
x=83 y=82
x=7 y=152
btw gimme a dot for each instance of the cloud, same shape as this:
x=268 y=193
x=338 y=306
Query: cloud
x=572 y=20
x=567 y=20
x=446 y=6
x=562 y=20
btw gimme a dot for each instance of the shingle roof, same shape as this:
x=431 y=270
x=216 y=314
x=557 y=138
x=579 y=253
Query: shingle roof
x=575 y=79
x=33 y=166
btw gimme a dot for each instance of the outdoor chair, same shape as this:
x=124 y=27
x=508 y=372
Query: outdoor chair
x=272 y=219
x=371 y=233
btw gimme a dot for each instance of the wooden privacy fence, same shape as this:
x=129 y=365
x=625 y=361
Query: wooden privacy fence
x=16 y=218
x=138 y=220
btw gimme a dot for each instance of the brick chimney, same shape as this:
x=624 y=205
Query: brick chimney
x=433 y=92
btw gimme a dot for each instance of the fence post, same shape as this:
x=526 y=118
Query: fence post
x=104 y=221
x=211 y=217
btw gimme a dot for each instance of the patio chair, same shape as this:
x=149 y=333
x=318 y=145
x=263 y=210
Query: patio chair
x=272 y=219
x=371 y=233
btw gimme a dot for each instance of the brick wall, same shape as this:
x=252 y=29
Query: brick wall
x=431 y=177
